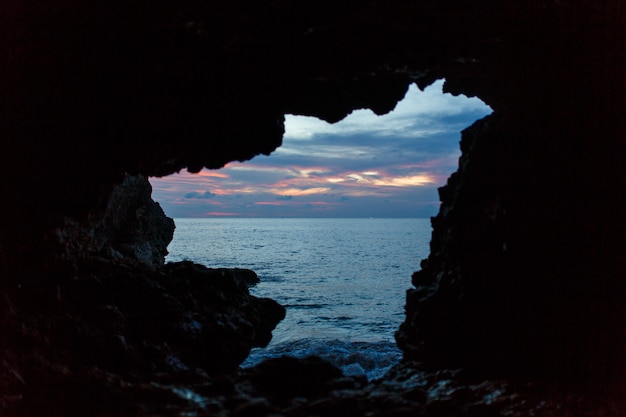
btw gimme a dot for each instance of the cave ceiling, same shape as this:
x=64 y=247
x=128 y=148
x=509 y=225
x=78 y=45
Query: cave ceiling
x=95 y=91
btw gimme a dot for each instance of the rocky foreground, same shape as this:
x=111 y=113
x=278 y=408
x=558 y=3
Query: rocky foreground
x=120 y=341
x=113 y=330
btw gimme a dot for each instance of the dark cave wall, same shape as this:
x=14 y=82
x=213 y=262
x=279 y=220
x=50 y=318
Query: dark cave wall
x=526 y=270
x=520 y=274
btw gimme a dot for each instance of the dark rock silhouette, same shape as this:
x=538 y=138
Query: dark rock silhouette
x=121 y=324
x=525 y=280
x=285 y=378
x=132 y=227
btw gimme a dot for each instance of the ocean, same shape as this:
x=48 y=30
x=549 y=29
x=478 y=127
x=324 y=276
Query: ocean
x=342 y=281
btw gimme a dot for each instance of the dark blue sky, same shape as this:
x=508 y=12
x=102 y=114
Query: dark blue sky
x=362 y=166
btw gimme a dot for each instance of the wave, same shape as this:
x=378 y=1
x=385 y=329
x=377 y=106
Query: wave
x=305 y=306
x=369 y=359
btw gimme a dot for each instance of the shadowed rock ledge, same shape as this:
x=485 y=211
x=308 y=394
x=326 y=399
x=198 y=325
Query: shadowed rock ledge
x=110 y=314
x=131 y=228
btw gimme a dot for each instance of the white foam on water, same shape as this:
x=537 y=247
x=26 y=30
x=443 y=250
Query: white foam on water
x=369 y=359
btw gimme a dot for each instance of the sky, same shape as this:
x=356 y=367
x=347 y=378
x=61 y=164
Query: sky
x=363 y=166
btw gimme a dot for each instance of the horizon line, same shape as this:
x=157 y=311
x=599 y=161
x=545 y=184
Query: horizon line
x=300 y=217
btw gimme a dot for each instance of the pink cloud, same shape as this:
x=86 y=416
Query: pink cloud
x=211 y=173
x=269 y=203
x=220 y=213
x=321 y=203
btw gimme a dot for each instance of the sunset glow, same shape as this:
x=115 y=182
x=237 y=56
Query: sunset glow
x=362 y=166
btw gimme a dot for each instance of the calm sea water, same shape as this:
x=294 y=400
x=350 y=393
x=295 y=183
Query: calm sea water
x=342 y=281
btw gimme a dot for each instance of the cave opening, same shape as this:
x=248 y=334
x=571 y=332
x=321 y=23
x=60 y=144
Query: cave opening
x=334 y=222
x=524 y=280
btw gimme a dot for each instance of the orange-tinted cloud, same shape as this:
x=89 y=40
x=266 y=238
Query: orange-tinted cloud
x=409 y=181
x=301 y=191
x=399 y=159
x=205 y=173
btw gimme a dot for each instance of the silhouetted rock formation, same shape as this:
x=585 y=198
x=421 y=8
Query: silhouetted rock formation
x=104 y=321
x=525 y=279
x=524 y=273
x=132 y=228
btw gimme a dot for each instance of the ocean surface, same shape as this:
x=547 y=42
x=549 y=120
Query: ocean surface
x=342 y=281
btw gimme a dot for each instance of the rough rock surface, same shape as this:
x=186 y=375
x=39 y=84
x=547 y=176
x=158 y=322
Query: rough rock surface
x=107 y=321
x=522 y=272
x=132 y=227
x=525 y=280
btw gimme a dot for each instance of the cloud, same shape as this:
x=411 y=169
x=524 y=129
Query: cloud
x=221 y=214
x=408 y=181
x=301 y=191
x=212 y=174
x=195 y=194
x=417 y=115
x=364 y=165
